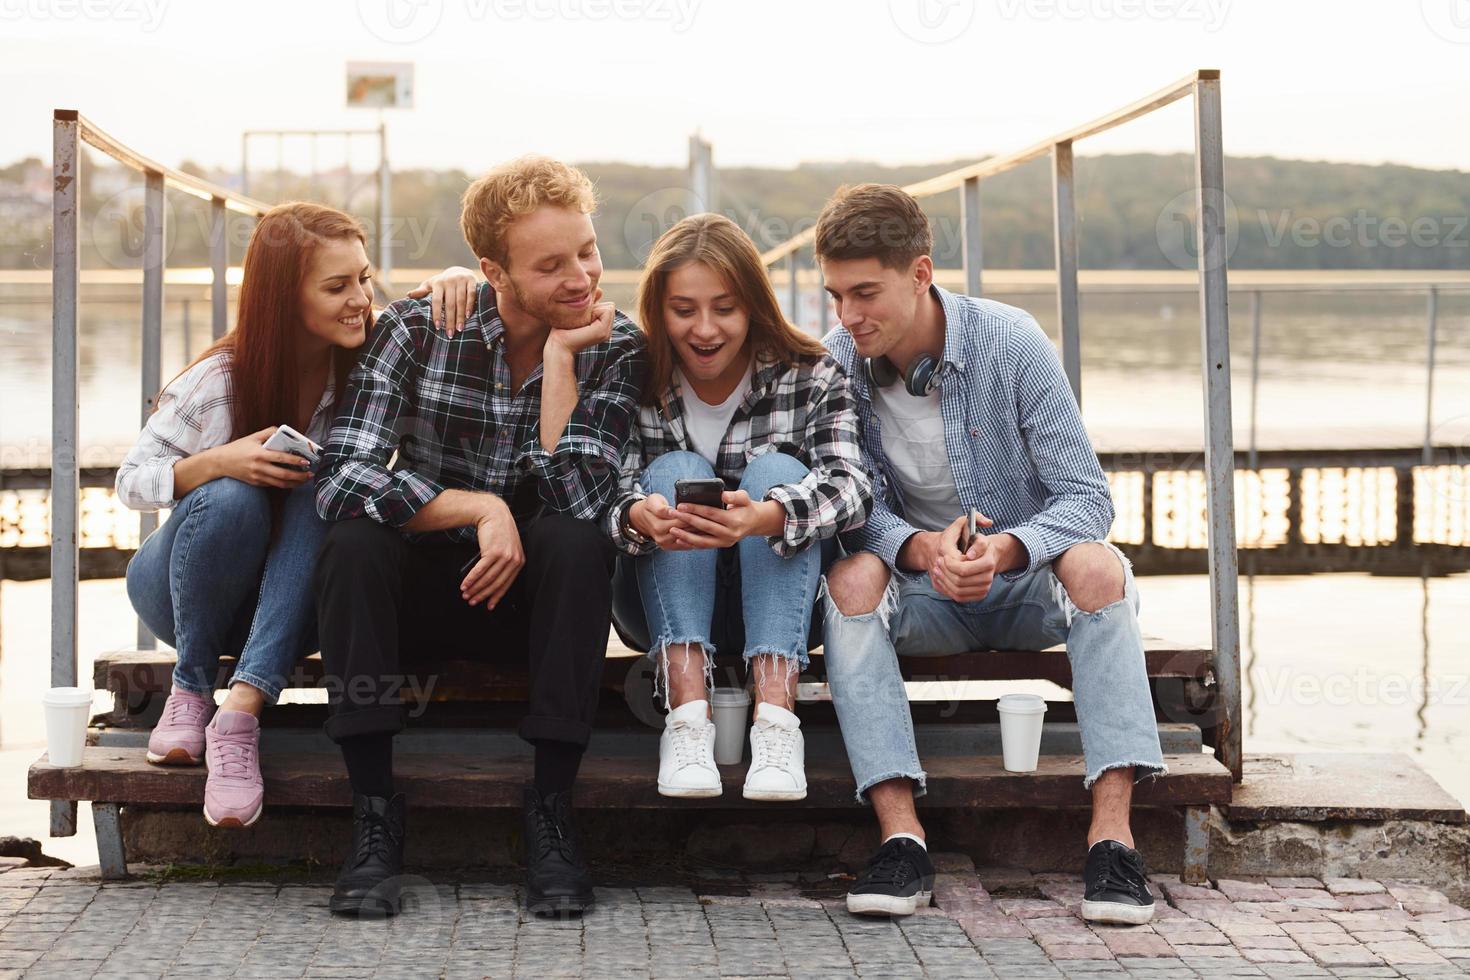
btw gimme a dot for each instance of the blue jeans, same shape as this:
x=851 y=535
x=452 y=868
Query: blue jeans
x=212 y=581
x=679 y=589
x=1109 y=680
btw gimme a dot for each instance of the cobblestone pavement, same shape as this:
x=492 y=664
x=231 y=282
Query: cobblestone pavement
x=999 y=923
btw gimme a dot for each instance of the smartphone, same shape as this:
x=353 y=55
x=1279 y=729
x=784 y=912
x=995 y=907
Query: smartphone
x=968 y=532
x=708 y=493
x=287 y=440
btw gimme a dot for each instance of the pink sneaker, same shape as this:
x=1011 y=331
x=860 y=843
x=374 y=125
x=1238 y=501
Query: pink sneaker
x=178 y=738
x=234 y=793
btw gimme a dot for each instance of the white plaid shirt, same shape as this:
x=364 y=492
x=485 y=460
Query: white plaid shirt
x=805 y=411
x=1016 y=444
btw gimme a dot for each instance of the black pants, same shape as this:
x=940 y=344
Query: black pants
x=389 y=609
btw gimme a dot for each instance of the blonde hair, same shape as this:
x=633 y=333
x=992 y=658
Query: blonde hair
x=717 y=242
x=512 y=190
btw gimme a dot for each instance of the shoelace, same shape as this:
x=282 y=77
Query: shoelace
x=235 y=756
x=688 y=744
x=551 y=835
x=889 y=867
x=773 y=746
x=180 y=711
x=1112 y=875
x=377 y=837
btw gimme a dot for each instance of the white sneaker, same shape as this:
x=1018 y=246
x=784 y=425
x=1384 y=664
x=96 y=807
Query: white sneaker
x=777 y=756
x=686 y=753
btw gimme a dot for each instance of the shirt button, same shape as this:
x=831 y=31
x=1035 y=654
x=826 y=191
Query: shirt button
x=974 y=433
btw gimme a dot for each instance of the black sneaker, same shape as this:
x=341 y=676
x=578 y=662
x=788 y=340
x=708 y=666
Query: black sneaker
x=371 y=880
x=557 y=882
x=898 y=880
x=1116 y=891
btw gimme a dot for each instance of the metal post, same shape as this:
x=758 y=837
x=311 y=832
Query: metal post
x=188 y=341
x=793 y=290
x=1064 y=208
x=824 y=305
x=970 y=234
x=1433 y=331
x=1255 y=371
x=152 y=372
x=245 y=164
x=702 y=173
x=1219 y=457
x=385 y=237
x=66 y=163
x=219 y=264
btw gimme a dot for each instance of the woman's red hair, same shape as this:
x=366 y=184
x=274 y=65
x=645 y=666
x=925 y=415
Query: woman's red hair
x=268 y=319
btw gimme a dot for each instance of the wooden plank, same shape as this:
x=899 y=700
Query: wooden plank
x=465 y=781
x=148 y=671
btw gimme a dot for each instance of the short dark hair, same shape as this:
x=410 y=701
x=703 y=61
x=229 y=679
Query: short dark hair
x=873 y=221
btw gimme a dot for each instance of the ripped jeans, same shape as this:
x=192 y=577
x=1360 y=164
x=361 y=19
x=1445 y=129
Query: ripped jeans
x=1109 y=680
x=744 y=598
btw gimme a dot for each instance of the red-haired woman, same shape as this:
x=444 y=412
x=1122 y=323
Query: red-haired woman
x=230 y=571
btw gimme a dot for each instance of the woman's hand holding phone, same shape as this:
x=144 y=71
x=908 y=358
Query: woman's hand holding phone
x=720 y=527
x=248 y=461
x=653 y=518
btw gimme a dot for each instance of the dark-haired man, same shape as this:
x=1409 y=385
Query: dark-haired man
x=964 y=407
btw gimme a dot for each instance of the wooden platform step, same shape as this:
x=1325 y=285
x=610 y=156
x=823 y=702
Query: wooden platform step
x=822 y=742
x=123 y=775
x=138 y=672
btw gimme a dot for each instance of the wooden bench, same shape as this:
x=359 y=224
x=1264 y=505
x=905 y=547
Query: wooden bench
x=462 y=751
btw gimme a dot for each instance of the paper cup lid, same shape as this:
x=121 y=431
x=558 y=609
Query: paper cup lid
x=728 y=697
x=66 y=697
x=1022 y=703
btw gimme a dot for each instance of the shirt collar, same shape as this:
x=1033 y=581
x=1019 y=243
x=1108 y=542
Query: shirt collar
x=955 y=328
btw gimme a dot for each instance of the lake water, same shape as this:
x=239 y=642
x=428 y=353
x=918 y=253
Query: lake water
x=1341 y=661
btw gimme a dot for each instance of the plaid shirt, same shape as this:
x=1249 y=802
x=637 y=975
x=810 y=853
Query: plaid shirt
x=1016 y=444
x=446 y=407
x=805 y=411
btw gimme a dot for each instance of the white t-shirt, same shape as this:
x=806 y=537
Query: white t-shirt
x=913 y=441
x=707 y=424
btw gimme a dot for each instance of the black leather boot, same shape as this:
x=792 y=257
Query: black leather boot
x=557 y=881
x=371 y=880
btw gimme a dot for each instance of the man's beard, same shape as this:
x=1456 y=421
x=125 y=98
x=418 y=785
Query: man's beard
x=553 y=314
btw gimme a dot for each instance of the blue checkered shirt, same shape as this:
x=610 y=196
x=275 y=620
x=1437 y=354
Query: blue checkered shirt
x=1017 y=448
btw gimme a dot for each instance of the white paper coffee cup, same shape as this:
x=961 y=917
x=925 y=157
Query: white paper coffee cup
x=67 y=710
x=731 y=708
x=1021 y=716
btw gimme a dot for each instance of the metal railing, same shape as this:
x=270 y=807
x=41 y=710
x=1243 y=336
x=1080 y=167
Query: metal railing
x=70 y=129
x=1209 y=180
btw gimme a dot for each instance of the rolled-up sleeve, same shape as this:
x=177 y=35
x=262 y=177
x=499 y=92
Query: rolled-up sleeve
x=580 y=475
x=194 y=413
x=1078 y=505
x=374 y=421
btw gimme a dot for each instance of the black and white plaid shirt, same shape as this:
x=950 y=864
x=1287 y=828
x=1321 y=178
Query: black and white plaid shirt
x=446 y=407
x=805 y=411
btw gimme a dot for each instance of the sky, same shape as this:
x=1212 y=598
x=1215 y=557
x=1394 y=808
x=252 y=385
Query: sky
x=768 y=82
